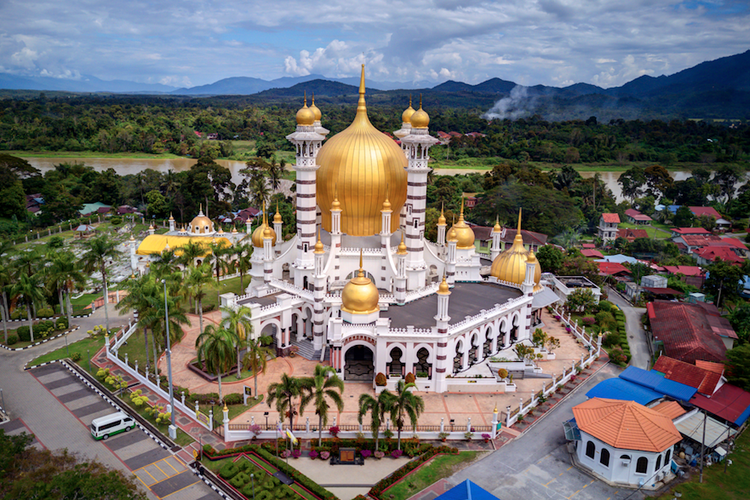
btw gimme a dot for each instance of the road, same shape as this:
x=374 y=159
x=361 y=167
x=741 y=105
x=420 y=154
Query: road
x=57 y=408
x=537 y=465
x=639 y=351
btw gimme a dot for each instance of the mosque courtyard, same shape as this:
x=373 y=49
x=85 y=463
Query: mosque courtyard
x=448 y=406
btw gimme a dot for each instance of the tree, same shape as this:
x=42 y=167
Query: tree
x=196 y=280
x=323 y=384
x=658 y=180
x=191 y=251
x=238 y=322
x=580 y=300
x=155 y=314
x=164 y=263
x=285 y=393
x=63 y=274
x=243 y=254
x=137 y=299
x=568 y=238
x=738 y=366
x=99 y=251
x=216 y=350
x=550 y=258
x=405 y=403
x=5 y=281
x=683 y=217
x=28 y=289
x=157 y=204
x=377 y=407
x=29 y=473
x=256 y=356
x=631 y=182
x=740 y=320
x=722 y=281
x=539 y=338
x=638 y=270
x=726 y=177
x=219 y=250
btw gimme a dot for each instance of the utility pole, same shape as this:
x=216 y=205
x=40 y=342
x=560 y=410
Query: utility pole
x=703 y=443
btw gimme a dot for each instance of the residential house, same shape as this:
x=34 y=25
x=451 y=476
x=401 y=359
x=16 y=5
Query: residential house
x=34 y=203
x=591 y=253
x=94 y=208
x=692 y=275
x=689 y=243
x=607 y=230
x=613 y=269
x=711 y=212
x=707 y=255
x=681 y=231
x=635 y=217
x=631 y=234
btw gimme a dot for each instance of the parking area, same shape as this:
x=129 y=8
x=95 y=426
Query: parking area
x=165 y=475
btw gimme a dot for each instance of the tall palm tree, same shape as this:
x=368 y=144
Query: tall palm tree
x=156 y=316
x=219 y=250
x=216 y=350
x=238 y=321
x=29 y=290
x=5 y=281
x=165 y=262
x=243 y=254
x=285 y=393
x=191 y=251
x=324 y=384
x=196 y=281
x=405 y=404
x=256 y=356
x=63 y=273
x=377 y=407
x=99 y=251
x=139 y=290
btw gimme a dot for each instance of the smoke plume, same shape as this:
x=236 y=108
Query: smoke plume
x=516 y=105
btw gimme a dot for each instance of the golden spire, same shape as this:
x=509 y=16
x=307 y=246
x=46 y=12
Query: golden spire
x=441 y=219
x=495 y=410
x=386 y=203
x=316 y=112
x=497 y=228
x=361 y=270
x=407 y=114
x=518 y=240
x=277 y=218
x=444 y=289
x=336 y=205
x=305 y=98
x=420 y=118
x=319 y=245
x=264 y=213
x=402 y=245
x=170 y=216
x=200 y=209
x=361 y=105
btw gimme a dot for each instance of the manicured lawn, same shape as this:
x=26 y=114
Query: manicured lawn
x=652 y=232
x=226 y=286
x=83 y=347
x=439 y=467
x=234 y=410
x=734 y=485
x=136 y=350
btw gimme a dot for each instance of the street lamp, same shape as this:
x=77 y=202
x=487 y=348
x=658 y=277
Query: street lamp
x=265 y=414
x=172 y=427
x=252 y=480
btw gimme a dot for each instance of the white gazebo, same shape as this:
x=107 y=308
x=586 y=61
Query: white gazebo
x=624 y=442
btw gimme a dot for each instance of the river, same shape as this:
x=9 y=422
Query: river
x=125 y=166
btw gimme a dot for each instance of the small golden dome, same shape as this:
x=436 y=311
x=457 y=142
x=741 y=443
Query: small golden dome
x=268 y=234
x=201 y=224
x=497 y=228
x=441 y=219
x=151 y=226
x=221 y=230
x=319 y=248
x=277 y=217
x=131 y=237
x=260 y=232
x=316 y=112
x=464 y=234
x=402 y=246
x=360 y=295
x=511 y=264
x=406 y=115
x=336 y=205
x=386 y=205
x=305 y=116
x=234 y=230
x=170 y=217
x=444 y=289
x=452 y=235
x=420 y=118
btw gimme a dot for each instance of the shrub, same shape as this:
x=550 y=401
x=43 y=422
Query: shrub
x=486 y=436
x=12 y=339
x=468 y=435
x=296 y=453
x=334 y=430
x=396 y=453
x=23 y=333
x=588 y=321
x=44 y=312
x=240 y=480
x=61 y=323
x=611 y=339
x=502 y=373
x=204 y=398
x=325 y=455
x=76 y=356
x=618 y=356
x=410 y=378
x=380 y=380
x=286 y=453
x=116 y=220
x=379 y=454
x=228 y=470
x=605 y=305
x=233 y=398
x=365 y=453
x=605 y=319
x=19 y=313
x=313 y=454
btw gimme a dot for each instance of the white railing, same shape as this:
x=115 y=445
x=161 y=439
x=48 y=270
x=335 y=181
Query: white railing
x=579 y=331
x=409 y=330
x=483 y=316
x=422 y=292
x=365 y=251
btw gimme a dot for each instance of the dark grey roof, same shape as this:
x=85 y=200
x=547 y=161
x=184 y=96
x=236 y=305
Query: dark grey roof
x=467 y=299
x=263 y=301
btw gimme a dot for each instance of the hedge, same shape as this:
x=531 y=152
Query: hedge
x=410 y=446
x=398 y=474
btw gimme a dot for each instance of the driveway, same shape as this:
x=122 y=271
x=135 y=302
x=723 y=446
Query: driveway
x=639 y=351
x=537 y=465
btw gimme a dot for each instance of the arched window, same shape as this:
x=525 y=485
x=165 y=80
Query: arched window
x=658 y=463
x=604 y=459
x=590 y=449
x=641 y=466
x=625 y=457
x=667 y=457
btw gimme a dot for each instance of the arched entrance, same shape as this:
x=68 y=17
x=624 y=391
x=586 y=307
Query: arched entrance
x=359 y=364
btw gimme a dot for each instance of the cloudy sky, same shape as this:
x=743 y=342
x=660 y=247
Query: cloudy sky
x=193 y=42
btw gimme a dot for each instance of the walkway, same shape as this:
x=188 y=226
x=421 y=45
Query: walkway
x=639 y=351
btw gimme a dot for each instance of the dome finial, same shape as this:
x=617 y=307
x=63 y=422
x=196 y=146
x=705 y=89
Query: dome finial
x=313 y=99
x=410 y=100
x=461 y=215
x=420 y=101
x=361 y=273
x=444 y=289
x=402 y=250
x=361 y=105
x=305 y=98
x=519 y=220
x=200 y=209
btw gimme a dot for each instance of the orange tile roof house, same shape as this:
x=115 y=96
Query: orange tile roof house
x=607 y=230
x=624 y=441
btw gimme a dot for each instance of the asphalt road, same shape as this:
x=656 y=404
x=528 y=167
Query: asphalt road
x=641 y=356
x=537 y=465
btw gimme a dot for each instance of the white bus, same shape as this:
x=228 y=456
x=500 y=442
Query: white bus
x=103 y=427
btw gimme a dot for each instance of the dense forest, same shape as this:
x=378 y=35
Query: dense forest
x=116 y=124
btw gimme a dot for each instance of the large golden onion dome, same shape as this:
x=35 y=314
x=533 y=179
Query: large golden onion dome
x=420 y=118
x=305 y=116
x=369 y=167
x=464 y=234
x=260 y=232
x=201 y=224
x=360 y=295
x=316 y=112
x=511 y=264
x=406 y=115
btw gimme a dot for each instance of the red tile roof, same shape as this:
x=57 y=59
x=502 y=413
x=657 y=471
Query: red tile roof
x=662 y=291
x=631 y=234
x=684 y=270
x=588 y=246
x=671 y=409
x=626 y=424
x=612 y=268
x=732 y=243
x=589 y=252
x=690 y=230
x=635 y=214
x=712 y=367
x=729 y=402
x=700 y=211
x=711 y=253
x=611 y=218
x=685 y=331
x=700 y=240
x=685 y=373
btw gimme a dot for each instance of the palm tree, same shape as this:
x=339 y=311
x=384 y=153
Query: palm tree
x=165 y=262
x=568 y=238
x=191 y=251
x=256 y=356
x=28 y=289
x=219 y=249
x=275 y=173
x=63 y=274
x=377 y=407
x=100 y=250
x=285 y=392
x=324 y=383
x=196 y=280
x=405 y=403
x=5 y=281
x=243 y=254
x=139 y=290
x=238 y=321
x=156 y=316
x=216 y=350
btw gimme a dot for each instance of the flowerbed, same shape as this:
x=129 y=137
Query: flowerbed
x=381 y=486
x=411 y=447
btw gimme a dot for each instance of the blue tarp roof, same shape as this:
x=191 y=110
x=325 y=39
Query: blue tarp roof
x=617 y=388
x=467 y=491
x=656 y=382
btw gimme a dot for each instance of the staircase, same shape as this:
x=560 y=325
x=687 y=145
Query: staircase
x=307 y=351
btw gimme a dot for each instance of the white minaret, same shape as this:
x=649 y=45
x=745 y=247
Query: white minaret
x=268 y=253
x=441 y=225
x=133 y=258
x=277 y=223
x=385 y=225
x=248 y=226
x=171 y=223
x=442 y=360
x=497 y=234
x=450 y=260
x=319 y=293
x=151 y=229
x=400 y=280
x=416 y=145
x=307 y=142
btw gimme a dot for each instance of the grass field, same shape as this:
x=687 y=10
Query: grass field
x=83 y=347
x=734 y=485
x=653 y=231
x=439 y=467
